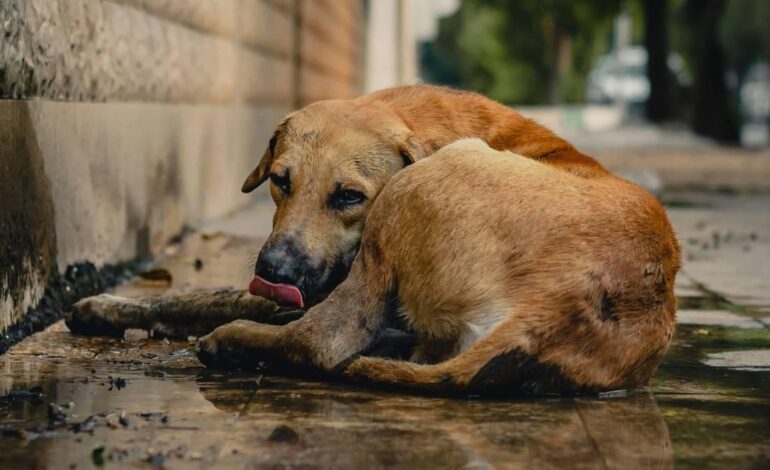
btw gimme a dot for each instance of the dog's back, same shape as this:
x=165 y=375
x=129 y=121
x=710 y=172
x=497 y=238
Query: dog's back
x=529 y=267
x=439 y=116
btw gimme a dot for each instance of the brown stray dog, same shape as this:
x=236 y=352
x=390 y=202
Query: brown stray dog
x=517 y=275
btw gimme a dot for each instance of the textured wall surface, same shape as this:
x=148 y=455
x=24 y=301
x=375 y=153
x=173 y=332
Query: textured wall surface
x=27 y=249
x=331 y=47
x=92 y=50
x=180 y=50
x=122 y=121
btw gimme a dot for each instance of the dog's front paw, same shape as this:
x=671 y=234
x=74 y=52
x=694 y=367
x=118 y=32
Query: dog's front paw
x=95 y=316
x=242 y=344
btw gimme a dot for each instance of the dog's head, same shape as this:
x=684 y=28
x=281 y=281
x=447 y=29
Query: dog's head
x=325 y=164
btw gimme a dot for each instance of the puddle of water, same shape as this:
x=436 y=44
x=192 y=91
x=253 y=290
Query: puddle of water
x=717 y=416
x=228 y=419
x=696 y=415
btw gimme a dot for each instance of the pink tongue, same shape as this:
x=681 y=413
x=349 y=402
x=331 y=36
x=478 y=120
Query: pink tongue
x=284 y=294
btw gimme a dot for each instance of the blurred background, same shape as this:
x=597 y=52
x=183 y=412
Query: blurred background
x=668 y=93
x=701 y=64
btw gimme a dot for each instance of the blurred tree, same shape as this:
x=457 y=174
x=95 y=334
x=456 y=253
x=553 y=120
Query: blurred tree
x=524 y=51
x=541 y=51
x=714 y=114
x=657 y=108
x=745 y=33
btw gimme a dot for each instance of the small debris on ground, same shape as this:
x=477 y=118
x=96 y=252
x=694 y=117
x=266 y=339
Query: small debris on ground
x=125 y=422
x=156 y=277
x=211 y=235
x=118 y=455
x=56 y=416
x=97 y=455
x=58 y=420
x=154 y=416
x=16 y=432
x=284 y=433
x=32 y=394
x=157 y=459
x=116 y=382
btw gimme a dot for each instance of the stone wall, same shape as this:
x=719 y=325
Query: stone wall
x=123 y=121
x=330 y=58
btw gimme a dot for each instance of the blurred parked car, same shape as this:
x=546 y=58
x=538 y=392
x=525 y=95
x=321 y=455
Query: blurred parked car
x=754 y=96
x=621 y=76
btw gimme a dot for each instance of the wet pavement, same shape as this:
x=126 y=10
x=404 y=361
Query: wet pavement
x=141 y=402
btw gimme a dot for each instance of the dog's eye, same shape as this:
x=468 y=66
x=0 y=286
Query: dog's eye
x=282 y=182
x=346 y=197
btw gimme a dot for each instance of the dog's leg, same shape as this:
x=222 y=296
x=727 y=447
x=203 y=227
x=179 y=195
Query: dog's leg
x=432 y=349
x=176 y=315
x=503 y=363
x=349 y=321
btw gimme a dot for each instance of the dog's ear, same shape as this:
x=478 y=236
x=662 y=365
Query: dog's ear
x=411 y=150
x=262 y=171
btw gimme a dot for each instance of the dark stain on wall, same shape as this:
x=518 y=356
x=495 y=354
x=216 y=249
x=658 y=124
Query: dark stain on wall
x=27 y=235
x=63 y=290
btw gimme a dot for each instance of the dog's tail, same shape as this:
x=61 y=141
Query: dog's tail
x=491 y=367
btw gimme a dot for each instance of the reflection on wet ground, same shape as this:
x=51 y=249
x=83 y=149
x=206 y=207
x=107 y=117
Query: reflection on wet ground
x=171 y=410
x=142 y=401
x=233 y=419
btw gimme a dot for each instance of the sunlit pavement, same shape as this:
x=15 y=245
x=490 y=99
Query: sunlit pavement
x=144 y=401
x=672 y=154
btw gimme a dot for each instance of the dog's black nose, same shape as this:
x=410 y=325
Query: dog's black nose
x=278 y=264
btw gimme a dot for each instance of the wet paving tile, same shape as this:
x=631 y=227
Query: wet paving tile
x=726 y=244
x=178 y=413
x=717 y=318
x=750 y=359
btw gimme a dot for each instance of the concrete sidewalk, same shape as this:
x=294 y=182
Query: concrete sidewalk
x=726 y=243
x=677 y=157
